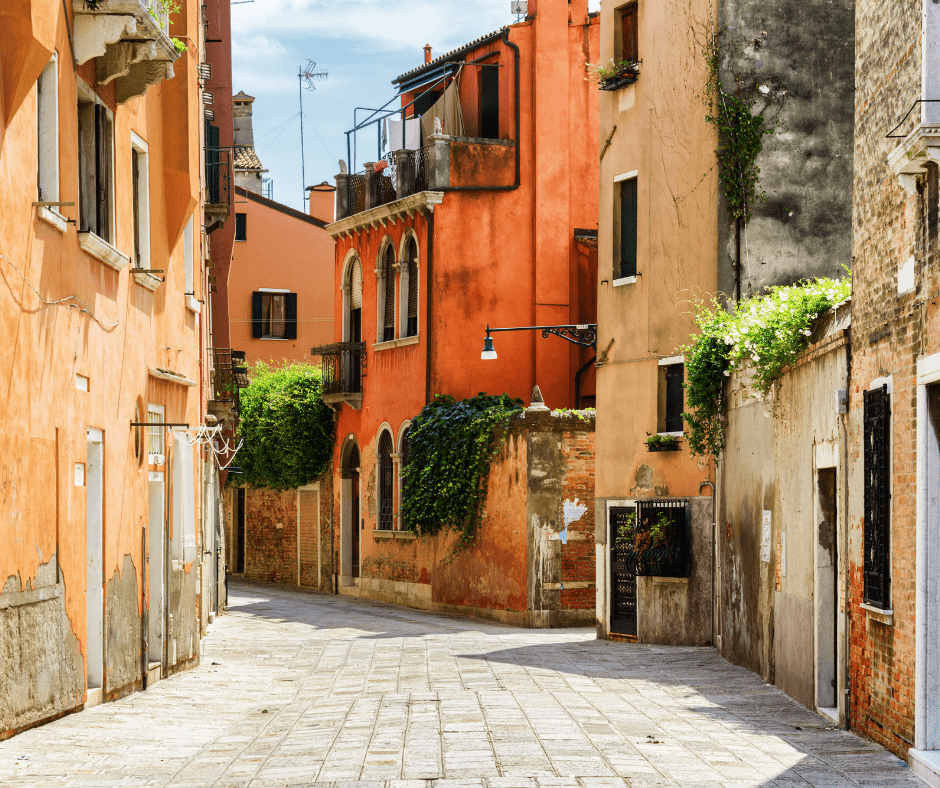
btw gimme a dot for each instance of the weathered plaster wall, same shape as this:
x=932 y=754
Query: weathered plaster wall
x=804 y=54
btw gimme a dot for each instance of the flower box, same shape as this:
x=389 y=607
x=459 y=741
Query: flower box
x=626 y=77
x=674 y=446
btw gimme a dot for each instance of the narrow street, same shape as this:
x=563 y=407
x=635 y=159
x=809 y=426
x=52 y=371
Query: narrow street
x=297 y=689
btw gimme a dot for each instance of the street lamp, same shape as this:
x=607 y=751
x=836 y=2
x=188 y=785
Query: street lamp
x=584 y=335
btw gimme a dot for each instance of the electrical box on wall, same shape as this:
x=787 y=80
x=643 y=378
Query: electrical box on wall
x=842 y=401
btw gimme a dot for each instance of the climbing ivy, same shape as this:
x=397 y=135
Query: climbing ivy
x=451 y=446
x=287 y=430
x=741 y=128
x=765 y=334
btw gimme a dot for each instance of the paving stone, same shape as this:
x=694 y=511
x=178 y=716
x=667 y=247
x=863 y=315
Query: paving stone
x=309 y=691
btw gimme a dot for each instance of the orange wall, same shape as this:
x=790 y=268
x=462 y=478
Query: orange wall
x=44 y=417
x=285 y=251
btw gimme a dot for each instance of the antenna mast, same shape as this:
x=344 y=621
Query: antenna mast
x=305 y=78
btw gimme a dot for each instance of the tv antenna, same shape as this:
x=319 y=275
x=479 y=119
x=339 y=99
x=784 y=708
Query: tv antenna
x=520 y=8
x=306 y=78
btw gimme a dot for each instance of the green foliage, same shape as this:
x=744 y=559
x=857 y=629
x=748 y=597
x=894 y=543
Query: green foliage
x=661 y=440
x=585 y=414
x=600 y=72
x=765 y=334
x=179 y=45
x=287 y=429
x=741 y=130
x=451 y=446
x=641 y=535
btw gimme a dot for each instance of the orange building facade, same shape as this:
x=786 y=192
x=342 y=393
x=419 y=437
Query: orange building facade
x=101 y=253
x=483 y=211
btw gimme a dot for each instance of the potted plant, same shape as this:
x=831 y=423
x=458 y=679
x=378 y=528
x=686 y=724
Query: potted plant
x=651 y=545
x=662 y=443
x=613 y=75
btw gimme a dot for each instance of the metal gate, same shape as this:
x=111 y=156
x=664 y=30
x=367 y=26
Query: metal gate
x=877 y=496
x=622 y=580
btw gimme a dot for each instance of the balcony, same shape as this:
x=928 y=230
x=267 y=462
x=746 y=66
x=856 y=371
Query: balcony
x=218 y=187
x=131 y=44
x=229 y=375
x=447 y=163
x=342 y=366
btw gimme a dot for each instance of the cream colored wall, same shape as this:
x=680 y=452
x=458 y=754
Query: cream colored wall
x=661 y=133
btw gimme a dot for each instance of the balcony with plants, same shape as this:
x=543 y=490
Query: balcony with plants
x=654 y=540
x=131 y=41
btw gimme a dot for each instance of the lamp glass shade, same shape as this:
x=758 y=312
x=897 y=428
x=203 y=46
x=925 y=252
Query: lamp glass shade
x=489 y=352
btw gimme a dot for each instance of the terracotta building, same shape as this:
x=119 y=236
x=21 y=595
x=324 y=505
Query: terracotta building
x=480 y=210
x=104 y=346
x=666 y=238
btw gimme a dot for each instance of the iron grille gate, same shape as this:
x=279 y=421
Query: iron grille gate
x=386 y=482
x=877 y=496
x=622 y=580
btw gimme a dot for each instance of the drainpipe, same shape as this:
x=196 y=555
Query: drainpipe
x=518 y=180
x=714 y=544
x=847 y=639
x=145 y=617
x=429 y=278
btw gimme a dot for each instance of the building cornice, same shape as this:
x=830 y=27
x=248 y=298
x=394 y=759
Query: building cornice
x=390 y=213
x=910 y=158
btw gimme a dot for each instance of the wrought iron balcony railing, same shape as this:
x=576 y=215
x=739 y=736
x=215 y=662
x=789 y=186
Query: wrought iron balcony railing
x=342 y=366
x=218 y=176
x=229 y=374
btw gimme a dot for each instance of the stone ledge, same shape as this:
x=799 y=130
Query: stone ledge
x=53 y=217
x=147 y=280
x=926 y=765
x=885 y=617
x=103 y=251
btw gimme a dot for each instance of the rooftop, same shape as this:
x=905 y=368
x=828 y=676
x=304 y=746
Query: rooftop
x=247 y=159
x=452 y=55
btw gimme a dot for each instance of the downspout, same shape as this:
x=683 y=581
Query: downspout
x=847 y=637
x=518 y=180
x=429 y=278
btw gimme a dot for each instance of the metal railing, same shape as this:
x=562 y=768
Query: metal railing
x=416 y=166
x=356 y=188
x=406 y=172
x=341 y=367
x=218 y=176
x=229 y=374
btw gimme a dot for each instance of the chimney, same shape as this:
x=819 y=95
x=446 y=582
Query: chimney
x=241 y=109
x=322 y=200
x=427 y=53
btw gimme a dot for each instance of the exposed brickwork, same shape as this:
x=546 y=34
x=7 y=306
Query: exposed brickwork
x=577 y=557
x=889 y=333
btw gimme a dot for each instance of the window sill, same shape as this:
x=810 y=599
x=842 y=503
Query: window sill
x=103 y=251
x=627 y=280
x=400 y=535
x=273 y=339
x=155 y=459
x=53 y=217
x=679 y=434
x=193 y=305
x=393 y=343
x=885 y=617
x=146 y=280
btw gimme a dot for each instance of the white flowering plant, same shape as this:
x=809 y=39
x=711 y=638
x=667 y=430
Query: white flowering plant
x=765 y=334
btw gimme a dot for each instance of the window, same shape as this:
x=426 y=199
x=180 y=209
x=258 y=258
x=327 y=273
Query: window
x=386 y=483
x=95 y=166
x=629 y=49
x=877 y=418
x=241 y=226
x=388 y=279
x=47 y=123
x=155 y=434
x=355 y=303
x=189 y=257
x=140 y=196
x=404 y=450
x=489 y=102
x=411 y=273
x=274 y=314
x=625 y=252
x=671 y=395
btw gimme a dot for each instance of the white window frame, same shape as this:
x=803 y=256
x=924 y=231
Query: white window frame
x=47 y=133
x=85 y=95
x=668 y=362
x=155 y=458
x=140 y=147
x=624 y=176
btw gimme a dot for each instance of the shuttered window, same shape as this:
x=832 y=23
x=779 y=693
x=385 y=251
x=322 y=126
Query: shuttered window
x=629 y=37
x=412 y=289
x=355 y=286
x=95 y=168
x=274 y=315
x=388 y=262
x=675 y=401
x=626 y=264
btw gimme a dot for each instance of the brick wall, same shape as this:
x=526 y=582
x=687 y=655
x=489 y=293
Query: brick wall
x=890 y=332
x=577 y=557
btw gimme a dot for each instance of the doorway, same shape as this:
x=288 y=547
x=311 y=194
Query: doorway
x=623 y=607
x=94 y=582
x=156 y=567
x=351 y=516
x=826 y=590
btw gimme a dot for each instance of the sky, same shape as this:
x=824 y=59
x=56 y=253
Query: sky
x=362 y=44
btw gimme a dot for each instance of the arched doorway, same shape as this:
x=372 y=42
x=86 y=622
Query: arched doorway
x=350 y=514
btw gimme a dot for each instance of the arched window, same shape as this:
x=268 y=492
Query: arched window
x=355 y=302
x=412 y=262
x=388 y=266
x=386 y=482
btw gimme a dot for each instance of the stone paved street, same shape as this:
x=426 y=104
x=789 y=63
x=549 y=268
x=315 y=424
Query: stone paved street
x=297 y=689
